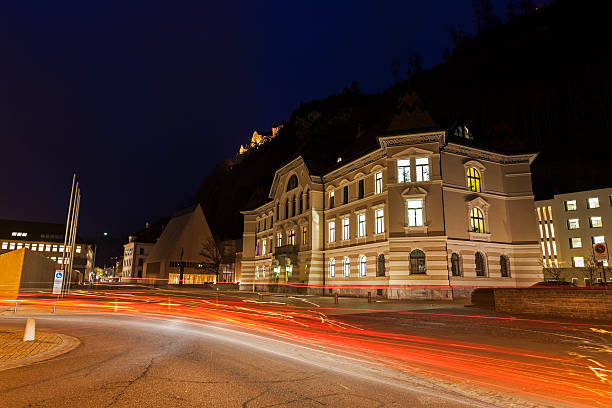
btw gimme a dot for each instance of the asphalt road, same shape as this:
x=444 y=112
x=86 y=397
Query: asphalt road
x=171 y=349
x=136 y=362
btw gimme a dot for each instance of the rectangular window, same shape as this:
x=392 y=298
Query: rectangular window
x=34 y=247
x=19 y=245
x=291 y=237
x=379 y=214
x=415 y=213
x=378 y=183
x=361 y=225
x=403 y=171
x=575 y=243
x=332 y=231
x=361 y=188
x=578 y=261
x=332 y=197
x=5 y=245
x=263 y=247
x=422 y=169
x=345 y=229
x=54 y=248
x=595 y=222
x=12 y=245
x=593 y=202
x=279 y=240
x=345 y=195
x=304 y=235
x=570 y=205
x=573 y=223
x=599 y=239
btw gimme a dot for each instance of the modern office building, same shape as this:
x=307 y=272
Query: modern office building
x=46 y=239
x=569 y=225
x=423 y=215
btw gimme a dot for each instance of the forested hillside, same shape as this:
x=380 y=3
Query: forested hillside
x=540 y=83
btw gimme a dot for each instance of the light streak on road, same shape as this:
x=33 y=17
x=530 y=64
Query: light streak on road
x=579 y=377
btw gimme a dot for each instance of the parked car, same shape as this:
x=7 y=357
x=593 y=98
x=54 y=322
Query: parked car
x=553 y=283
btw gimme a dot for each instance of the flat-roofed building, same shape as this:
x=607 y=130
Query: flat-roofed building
x=421 y=216
x=46 y=239
x=570 y=224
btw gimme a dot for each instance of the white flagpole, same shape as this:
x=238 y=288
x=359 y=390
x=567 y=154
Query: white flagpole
x=70 y=232
x=74 y=234
x=67 y=225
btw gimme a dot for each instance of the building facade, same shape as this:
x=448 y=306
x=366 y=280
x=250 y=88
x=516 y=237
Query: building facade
x=46 y=239
x=570 y=224
x=418 y=217
x=134 y=256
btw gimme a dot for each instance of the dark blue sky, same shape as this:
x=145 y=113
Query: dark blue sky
x=143 y=98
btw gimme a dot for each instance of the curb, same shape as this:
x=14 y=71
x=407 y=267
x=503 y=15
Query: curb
x=68 y=344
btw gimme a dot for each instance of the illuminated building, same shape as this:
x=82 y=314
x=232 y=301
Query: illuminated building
x=258 y=139
x=46 y=239
x=569 y=225
x=413 y=218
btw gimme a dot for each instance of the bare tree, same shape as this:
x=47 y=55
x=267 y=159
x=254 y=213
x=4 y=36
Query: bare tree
x=590 y=268
x=212 y=251
x=550 y=273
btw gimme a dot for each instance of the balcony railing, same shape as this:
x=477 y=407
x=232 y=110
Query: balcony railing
x=285 y=249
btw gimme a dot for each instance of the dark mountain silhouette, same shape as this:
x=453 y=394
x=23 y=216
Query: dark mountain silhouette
x=539 y=83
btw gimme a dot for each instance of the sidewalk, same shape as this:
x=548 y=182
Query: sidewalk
x=14 y=352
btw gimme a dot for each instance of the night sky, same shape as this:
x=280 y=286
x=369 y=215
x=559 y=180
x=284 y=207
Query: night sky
x=141 y=100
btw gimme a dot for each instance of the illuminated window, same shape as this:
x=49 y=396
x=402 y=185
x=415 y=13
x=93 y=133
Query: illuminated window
x=5 y=245
x=593 y=202
x=378 y=186
x=304 y=235
x=263 y=247
x=54 y=248
x=362 y=266
x=415 y=213
x=332 y=268
x=12 y=245
x=455 y=266
x=54 y=258
x=578 y=261
x=263 y=272
x=291 y=238
x=257 y=272
x=380 y=265
x=417 y=262
x=347 y=267
x=599 y=239
x=380 y=220
x=504 y=263
x=345 y=229
x=570 y=205
x=332 y=231
x=477 y=222
x=479 y=260
x=573 y=223
x=595 y=222
x=332 y=197
x=422 y=169
x=403 y=171
x=474 y=180
x=361 y=225
x=575 y=243
x=279 y=239
x=19 y=245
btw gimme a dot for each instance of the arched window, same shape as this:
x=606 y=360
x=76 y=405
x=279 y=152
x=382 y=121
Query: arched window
x=474 y=180
x=477 y=221
x=292 y=183
x=504 y=263
x=287 y=208
x=301 y=202
x=380 y=265
x=332 y=268
x=293 y=206
x=307 y=199
x=417 y=262
x=362 y=265
x=455 y=267
x=480 y=264
x=347 y=267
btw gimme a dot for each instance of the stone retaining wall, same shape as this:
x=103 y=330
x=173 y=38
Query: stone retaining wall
x=570 y=303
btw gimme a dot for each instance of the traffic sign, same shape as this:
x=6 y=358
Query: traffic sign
x=600 y=251
x=58 y=281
